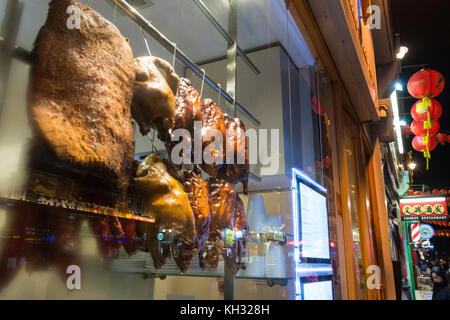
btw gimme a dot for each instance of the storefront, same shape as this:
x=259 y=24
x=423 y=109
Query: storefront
x=308 y=226
x=425 y=226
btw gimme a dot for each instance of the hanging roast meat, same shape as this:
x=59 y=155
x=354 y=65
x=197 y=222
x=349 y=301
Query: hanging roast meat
x=80 y=92
x=108 y=235
x=222 y=202
x=174 y=227
x=233 y=255
x=197 y=191
x=213 y=119
x=130 y=244
x=187 y=111
x=153 y=102
x=238 y=169
x=38 y=238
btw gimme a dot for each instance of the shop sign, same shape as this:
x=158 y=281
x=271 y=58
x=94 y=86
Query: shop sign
x=426 y=231
x=418 y=209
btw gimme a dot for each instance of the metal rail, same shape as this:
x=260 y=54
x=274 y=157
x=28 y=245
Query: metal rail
x=225 y=34
x=170 y=46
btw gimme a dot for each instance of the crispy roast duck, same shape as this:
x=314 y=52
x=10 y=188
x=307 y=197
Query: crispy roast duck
x=165 y=200
x=80 y=92
x=239 y=170
x=153 y=102
x=222 y=203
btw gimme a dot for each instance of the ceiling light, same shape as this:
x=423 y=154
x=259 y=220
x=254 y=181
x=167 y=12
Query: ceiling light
x=402 y=52
x=412 y=165
x=398 y=86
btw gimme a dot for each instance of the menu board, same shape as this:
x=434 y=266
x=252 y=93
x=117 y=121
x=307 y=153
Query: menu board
x=321 y=290
x=314 y=223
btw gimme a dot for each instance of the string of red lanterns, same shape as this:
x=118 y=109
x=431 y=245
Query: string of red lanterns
x=425 y=85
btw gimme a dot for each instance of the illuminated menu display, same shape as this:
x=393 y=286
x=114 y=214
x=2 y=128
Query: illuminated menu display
x=313 y=224
x=318 y=290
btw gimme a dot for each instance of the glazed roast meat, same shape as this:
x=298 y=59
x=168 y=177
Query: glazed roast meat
x=153 y=102
x=213 y=119
x=166 y=201
x=222 y=202
x=80 y=91
x=197 y=191
x=238 y=170
x=187 y=111
x=238 y=250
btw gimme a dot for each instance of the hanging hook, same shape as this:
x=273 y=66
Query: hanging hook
x=203 y=82
x=174 y=55
x=220 y=93
x=146 y=43
x=114 y=13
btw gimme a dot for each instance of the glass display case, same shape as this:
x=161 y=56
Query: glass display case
x=70 y=232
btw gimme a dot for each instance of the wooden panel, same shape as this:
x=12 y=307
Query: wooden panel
x=380 y=215
x=344 y=186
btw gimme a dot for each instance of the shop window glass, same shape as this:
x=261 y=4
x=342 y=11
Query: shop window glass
x=284 y=96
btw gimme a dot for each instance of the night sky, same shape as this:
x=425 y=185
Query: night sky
x=424 y=27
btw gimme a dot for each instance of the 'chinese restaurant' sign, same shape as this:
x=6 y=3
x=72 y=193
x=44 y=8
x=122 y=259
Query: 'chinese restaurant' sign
x=416 y=209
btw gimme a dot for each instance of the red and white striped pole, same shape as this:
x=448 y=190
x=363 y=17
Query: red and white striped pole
x=415 y=232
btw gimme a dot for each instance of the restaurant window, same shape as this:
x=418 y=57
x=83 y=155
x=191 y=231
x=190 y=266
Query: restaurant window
x=56 y=214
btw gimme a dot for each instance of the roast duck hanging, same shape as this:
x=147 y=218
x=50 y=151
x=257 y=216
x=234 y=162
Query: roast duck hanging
x=84 y=89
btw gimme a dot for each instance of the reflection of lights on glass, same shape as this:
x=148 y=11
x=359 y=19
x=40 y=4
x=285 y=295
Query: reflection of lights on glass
x=398 y=86
x=332 y=244
x=402 y=52
x=403 y=123
x=412 y=165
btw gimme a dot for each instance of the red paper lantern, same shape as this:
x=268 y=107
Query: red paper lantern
x=426 y=192
x=417 y=193
x=435 y=191
x=417 y=127
x=418 y=145
x=448 y=141
x=420 y=114
x=426 y=83
x=410 y=192
x=441 y=138
x=443 y=191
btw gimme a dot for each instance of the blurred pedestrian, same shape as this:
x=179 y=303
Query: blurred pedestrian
x=441 y=290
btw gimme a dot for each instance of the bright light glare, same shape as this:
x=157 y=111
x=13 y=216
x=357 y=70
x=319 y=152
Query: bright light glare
x=403 y=123
x=397 y=128
x=402 y=52
x=412 y=165
x=398 y=86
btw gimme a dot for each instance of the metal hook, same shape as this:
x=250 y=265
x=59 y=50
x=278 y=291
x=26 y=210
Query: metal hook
x=203 y=82
x=114 y=13
x=220 y=93
x=146 y=43
x=174 y=55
